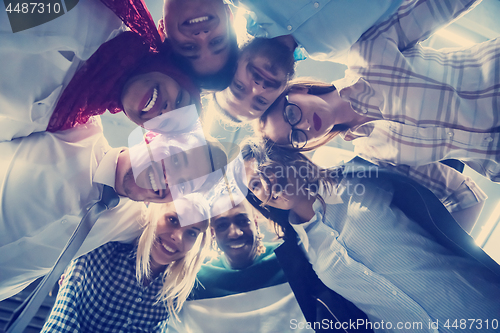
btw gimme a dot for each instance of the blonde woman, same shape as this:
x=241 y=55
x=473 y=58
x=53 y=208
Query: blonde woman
x=135 y=286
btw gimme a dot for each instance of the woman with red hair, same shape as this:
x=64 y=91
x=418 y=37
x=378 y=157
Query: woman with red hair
x=59 y=74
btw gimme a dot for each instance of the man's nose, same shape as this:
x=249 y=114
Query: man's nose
x=234 y=231
x=201 y=33
x=303 y=125
x=257 y=87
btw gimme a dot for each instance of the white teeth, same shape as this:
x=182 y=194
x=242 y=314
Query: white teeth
x=239 y=246
x=151 y=101
x=166 y=247
x=169 y=249
x=198 y=20
x=153 y=182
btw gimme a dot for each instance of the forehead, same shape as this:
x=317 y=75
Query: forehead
x=184 y=209
x=241 y=208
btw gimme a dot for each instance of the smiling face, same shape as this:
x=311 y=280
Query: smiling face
x=173 y=241
x=148 y=95
x=199 y=31
x=236 y=235
x=284 y=193
x=260 y=78
x=181 y=172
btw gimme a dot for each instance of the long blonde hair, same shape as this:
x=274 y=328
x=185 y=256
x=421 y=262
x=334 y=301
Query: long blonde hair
x=180 y=276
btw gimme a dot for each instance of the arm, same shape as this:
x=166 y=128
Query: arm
x=416 y=20
x=458 y=193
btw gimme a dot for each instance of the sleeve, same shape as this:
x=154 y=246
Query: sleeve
x=416 y=20
x=64 y=315
x=455 y=190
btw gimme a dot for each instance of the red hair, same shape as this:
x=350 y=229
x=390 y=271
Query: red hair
x=97 y=85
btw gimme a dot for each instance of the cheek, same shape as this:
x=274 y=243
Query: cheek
x=188 y=244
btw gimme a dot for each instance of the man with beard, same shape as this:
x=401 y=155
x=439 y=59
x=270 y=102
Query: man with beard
x=326 y=30
x=264 y=68
x=244 y=289
x=202 y=35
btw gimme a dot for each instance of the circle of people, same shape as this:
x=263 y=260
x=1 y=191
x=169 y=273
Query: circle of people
x=381 y=241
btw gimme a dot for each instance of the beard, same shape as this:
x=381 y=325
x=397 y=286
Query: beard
x=278 y=54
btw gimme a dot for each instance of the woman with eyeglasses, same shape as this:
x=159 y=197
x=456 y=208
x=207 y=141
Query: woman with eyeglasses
x=310 y=114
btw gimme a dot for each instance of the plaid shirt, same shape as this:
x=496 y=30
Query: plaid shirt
x=430 y=105
x=100 y=294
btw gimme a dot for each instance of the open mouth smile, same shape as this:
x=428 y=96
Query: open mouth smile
x=167 y=248
x=152 y=100
x=197 y=20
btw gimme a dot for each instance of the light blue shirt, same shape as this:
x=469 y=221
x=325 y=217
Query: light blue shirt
x=326 y=29
x=392 y=269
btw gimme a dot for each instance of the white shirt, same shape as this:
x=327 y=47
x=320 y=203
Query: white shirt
x=34 y=72
x=47 y=182
x=372 y=254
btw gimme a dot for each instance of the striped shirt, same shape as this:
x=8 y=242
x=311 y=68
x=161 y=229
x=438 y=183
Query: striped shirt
x=100 y=293
x=430 y=105
x=387 y=265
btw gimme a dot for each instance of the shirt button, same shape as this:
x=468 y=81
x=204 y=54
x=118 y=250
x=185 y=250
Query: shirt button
x=332 y=233
x=367 y=273
x=364 y=111
x=129 y=321
x=138 y=299
x=394 y=292
x=63 y=221
x=488 y=139
x=289 y=28
x=450 y=134
x=316 y=5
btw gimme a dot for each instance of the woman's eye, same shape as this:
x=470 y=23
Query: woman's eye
x=238 y=86
x=173 y=220
x=178 y=101
x=216 y=41
x=192 y=233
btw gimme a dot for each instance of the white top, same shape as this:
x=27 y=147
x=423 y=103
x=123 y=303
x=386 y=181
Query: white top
x=372 y=254
x=33 y=71
x=47 y=181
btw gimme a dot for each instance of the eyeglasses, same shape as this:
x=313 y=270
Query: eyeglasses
x=293 y=115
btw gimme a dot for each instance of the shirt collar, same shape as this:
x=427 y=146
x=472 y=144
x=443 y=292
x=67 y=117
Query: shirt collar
x=106 y=170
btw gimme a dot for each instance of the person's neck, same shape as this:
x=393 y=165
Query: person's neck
x=304 y=209
x=156 y=269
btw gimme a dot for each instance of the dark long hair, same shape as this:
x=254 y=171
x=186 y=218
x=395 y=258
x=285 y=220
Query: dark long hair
x=269 y=157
